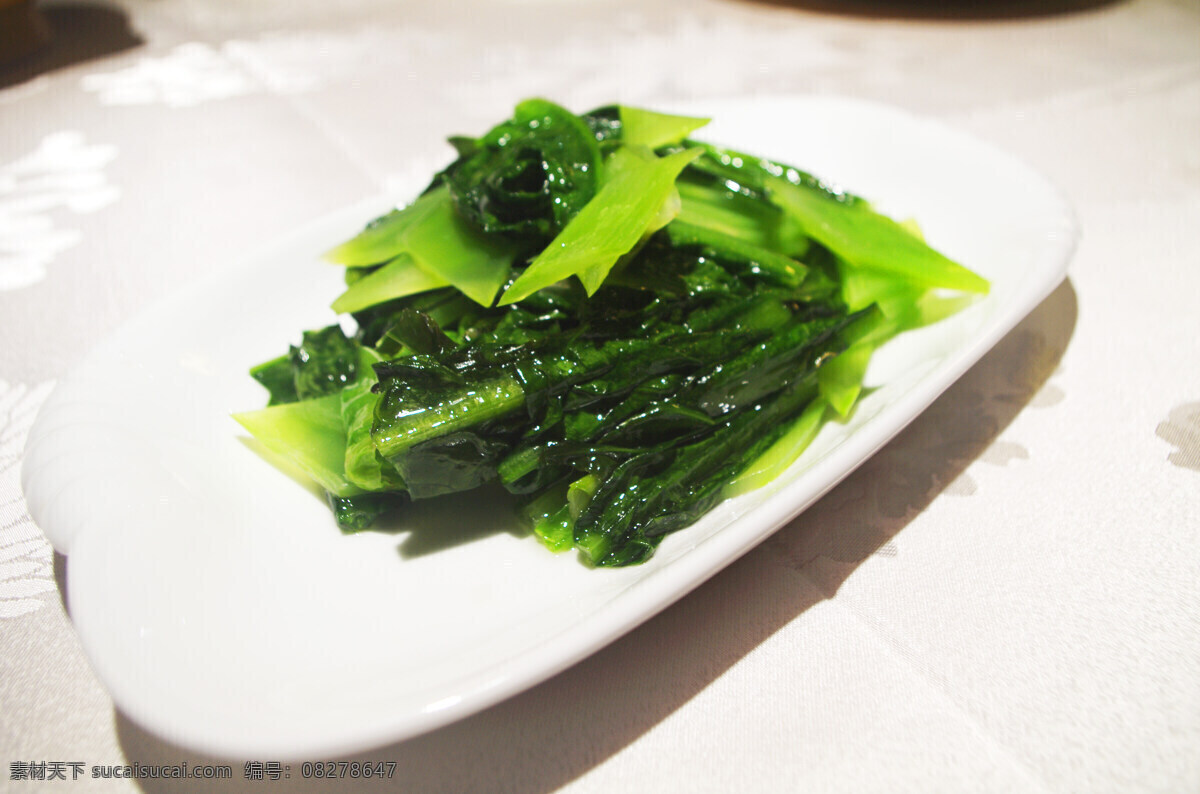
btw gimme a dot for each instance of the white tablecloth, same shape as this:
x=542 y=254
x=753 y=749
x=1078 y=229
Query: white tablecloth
x=1004 y=599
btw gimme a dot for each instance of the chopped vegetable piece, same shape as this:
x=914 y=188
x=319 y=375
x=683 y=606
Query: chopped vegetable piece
x=609 y=226
x=640 y=127
x=383 y=238
x=865 y=239
x=399 y=278
x=308 y=433
x=527 y=177
x=324 y=362
x=442 y=248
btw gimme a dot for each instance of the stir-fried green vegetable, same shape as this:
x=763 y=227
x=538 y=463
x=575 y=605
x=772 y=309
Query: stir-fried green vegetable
x=620 y=325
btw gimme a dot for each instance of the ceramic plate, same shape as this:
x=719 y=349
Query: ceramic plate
x=222 y=608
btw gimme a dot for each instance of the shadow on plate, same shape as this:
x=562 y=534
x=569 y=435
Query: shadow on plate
x=940 y=10
x=429 y=525
x=489 y=511
x=544 y=738
x=66 y=34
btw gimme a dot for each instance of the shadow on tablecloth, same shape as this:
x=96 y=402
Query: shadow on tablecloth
x=77 y=33
x=556 y=732
x=940 y=9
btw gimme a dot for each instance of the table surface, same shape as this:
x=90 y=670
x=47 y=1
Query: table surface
x=1005 y=598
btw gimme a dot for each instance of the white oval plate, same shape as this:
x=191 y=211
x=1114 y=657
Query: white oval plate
x=222 y=608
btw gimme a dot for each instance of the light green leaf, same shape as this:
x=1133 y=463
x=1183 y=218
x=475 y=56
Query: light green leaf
x=445 y=247
x=610 y=225
x=866 y=239
x=840 y=379
x=782 y=453
x=640 y=127
x=308 y=434
x=383 y=238
x=398 y=278
x=429 y=246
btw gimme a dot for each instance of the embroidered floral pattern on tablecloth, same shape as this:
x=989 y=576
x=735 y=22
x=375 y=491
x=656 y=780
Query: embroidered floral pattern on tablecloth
x=64 y=174
x=190 y=74
x=26 y=557
x=194 y=73
x=1181 y=429
x=298 y=61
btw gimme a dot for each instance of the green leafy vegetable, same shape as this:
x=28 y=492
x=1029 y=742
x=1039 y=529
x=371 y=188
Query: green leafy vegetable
x=398 y=278
x=278 y=378
x=640 y=127
x=865 y=239
x=309 y=434
x=625 y=210
x=428 y=245
x=527 y=177
x=618 y=324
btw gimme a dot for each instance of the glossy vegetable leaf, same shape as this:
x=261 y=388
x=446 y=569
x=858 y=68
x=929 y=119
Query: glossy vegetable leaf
x=659 y=491
x=359 y=512
x=309 y=434
x=529 y=176
x=782 y=453
x=399 y=278
x=422 y=401
x=324 y=363
x=444 y=246
x=434 y=247
x=364 y=466
x=640 y=127
x=383 y=238
x=733 y=249
x=609 y=226
x=865 y=239
x=841 y=379
x=551 y=520
x=721 y=210
x=278 y=377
